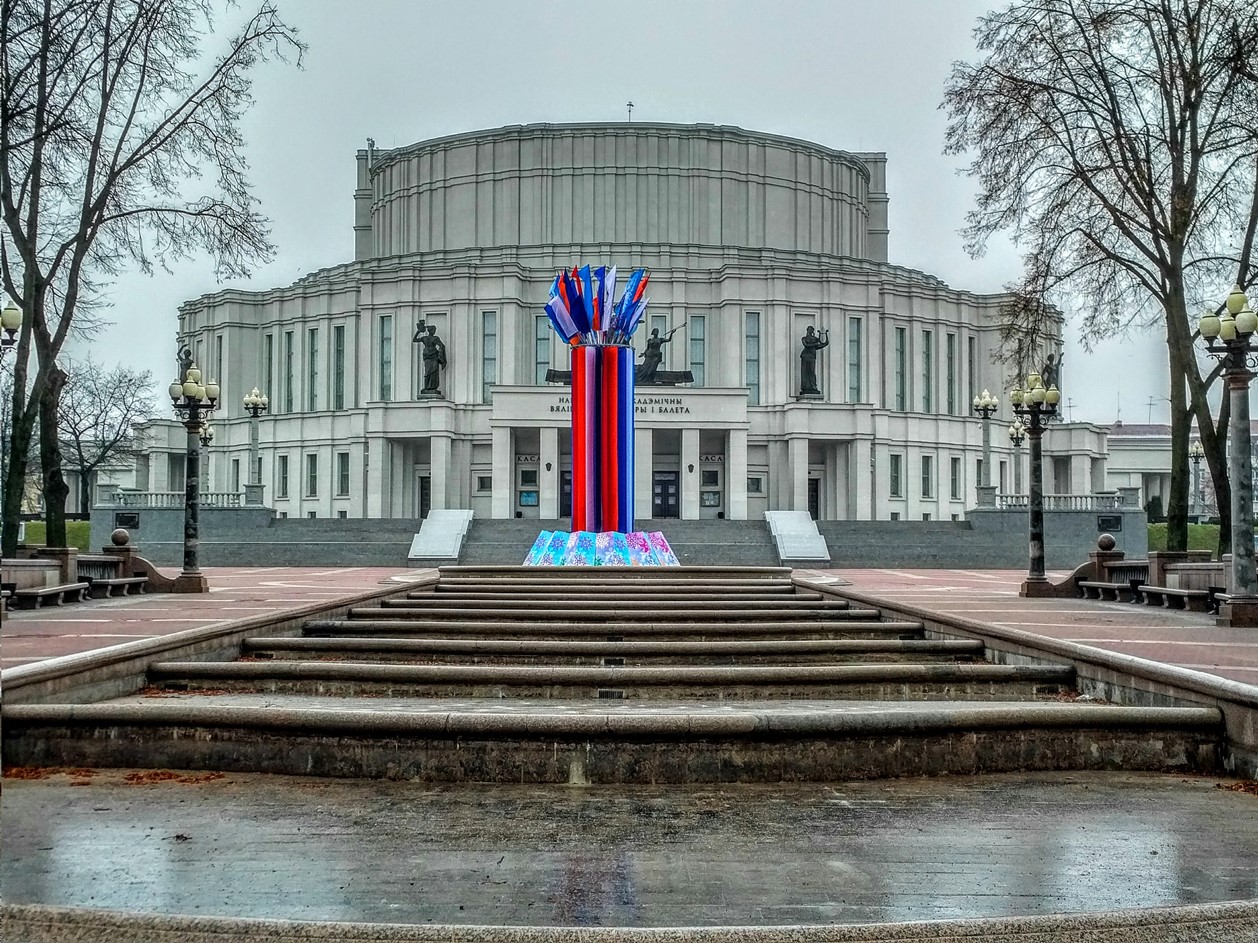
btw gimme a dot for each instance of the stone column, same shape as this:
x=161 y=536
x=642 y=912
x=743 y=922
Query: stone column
x=797 y=459
x=439 y=471
x=377 y=476
x=862 y=502
x=736 y=475
x=503 y=473
x=548 y=474
x=643 y=472
x=690 y=474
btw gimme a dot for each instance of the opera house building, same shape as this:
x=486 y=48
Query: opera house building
x=423 y=373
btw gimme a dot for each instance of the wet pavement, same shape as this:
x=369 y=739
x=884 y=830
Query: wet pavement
x=1173 y=637
x=299 y=848
x=235 y=593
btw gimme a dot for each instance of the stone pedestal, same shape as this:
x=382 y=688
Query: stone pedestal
x=986 y=496
x=190 y=583
x=253 y=495
x=67 y=562
x=1240 y=613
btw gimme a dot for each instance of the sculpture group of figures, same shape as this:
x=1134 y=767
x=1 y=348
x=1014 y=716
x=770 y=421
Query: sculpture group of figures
x=648 y=372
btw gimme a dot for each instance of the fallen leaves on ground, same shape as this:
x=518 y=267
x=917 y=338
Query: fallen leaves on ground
x=31 y=772
x=1249 y=786
x=153 y=691
x=149 y=777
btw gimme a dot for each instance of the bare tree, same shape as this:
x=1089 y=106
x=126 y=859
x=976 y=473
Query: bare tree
x=1117 y=141
x=99 y=412
x=111 y=113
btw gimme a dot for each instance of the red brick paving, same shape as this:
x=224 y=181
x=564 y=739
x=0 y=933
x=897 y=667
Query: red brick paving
x=1187 y=639
x=235 y=593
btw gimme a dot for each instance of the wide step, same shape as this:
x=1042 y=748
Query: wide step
x=516 y=651
x=851 y=623
x=350 y=679
x=589 y=742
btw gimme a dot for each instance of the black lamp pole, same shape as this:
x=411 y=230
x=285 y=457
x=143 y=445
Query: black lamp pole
x=1036 y=406
x=1230 y=338
x=193 y=402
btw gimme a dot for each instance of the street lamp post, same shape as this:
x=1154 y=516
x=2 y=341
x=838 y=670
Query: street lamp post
x=193 y=402
x=1036 y=407
x=1231 y=340
x=1017 y=433
x=986 y=405
x=255 y=405
x=10 y=324
x=1196 y=453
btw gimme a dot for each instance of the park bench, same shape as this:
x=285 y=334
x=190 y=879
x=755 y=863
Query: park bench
x=1196 y=600
x=36 y=595
x=102 y=571
x=1121 y=583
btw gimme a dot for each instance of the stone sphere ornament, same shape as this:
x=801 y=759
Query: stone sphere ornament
x=120 y=537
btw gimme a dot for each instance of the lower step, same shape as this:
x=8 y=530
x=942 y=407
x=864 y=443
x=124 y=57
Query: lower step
x=879 y=682
x=734 y=743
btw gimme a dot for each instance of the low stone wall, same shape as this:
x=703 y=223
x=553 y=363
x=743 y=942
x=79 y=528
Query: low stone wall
x=1199 y=923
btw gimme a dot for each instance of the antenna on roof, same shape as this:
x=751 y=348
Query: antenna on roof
x=629 y=105
x=371 y=152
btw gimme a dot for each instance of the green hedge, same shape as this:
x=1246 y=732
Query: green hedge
x=1200 y=537
x=78 y=533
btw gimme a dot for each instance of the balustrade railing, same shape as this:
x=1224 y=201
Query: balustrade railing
x=174 y=499
x=1064 y=502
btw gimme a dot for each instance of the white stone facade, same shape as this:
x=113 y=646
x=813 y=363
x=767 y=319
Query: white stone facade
x=749 y=238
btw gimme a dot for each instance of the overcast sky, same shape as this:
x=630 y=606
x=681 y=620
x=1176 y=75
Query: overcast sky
x=849 y=74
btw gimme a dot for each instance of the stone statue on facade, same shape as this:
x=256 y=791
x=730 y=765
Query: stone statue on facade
x=184 y=359
x=434 y=356
x=653 y=356
x=812 y=342
x=1051 y=374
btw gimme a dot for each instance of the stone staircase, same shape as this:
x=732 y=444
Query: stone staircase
x=701 y=543
x=545 y=675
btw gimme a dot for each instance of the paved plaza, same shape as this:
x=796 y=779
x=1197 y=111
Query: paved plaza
x=914 y=849
x=304 y=848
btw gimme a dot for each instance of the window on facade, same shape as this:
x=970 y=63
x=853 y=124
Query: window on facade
x=312 y=514
x=755 y=485
x=928 y=371
x=895 y=515
x=488 y=352
x=752 y=357
x=928 y=476
x=288 y=371
x=218 y=359
x=342 y=514
x=338 y=367
x=484 y=483
x=342 y=474
x=950 y=353
x=971 y=356
x=268 y=365
x=281 y=476
x=386 y=357
x=698 y=348
x=541 y=349
x=312 y=475
x=312 y=369
x=955 y=478
x=901 y=369
x=854 y=327
x=895 y=476
x=528 y=477
x=235 y=474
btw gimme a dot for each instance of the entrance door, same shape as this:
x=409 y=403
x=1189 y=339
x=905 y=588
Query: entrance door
x=664 y=494
x=814 y=498
x=425 y=495
x=565 y=494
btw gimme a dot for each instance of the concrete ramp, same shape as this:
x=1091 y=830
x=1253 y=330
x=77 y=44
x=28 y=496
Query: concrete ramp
x=798 y=541
x=440 y=538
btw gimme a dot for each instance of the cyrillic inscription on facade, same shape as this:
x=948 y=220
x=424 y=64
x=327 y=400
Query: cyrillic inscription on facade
x=643 y=405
